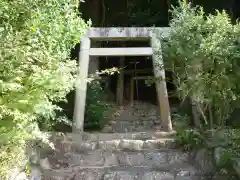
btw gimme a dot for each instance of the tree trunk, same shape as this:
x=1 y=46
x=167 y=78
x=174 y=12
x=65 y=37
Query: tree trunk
x=195 y=113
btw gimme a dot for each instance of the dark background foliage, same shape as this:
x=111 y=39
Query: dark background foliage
x=127 y=13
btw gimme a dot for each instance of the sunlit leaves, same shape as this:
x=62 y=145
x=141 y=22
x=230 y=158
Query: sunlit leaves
x=36 y=37
x=203 y=51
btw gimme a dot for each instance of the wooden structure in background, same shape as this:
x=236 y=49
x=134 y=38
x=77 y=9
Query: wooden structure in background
x=133 y=79
x=122 y=34
x=120 y=83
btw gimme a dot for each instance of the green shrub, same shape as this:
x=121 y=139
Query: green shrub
x=36 y=37
x=96 y=106
x=190 y=139
x=98 y=100
x=226 y=141
x=203 y=51
x=229 y=140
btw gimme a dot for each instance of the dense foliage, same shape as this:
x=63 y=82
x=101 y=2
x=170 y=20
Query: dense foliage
x=36 y=37
x=99 y=102
x=223 y=145
x=95 y=106
x=142 y=13
x=203 y=52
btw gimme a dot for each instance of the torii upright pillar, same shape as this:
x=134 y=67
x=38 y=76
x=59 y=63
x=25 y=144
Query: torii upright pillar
x=161 y=86
x=81 y=88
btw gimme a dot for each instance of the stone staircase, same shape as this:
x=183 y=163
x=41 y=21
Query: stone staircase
x=116 y=156
x=138 y=118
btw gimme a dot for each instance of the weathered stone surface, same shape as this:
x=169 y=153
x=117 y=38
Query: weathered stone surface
x=204 y=160
x=126 y=164
x=163 y=134
x=131 y=159
x=178 y=157
x=147 y=155
x=191 y=170
x=92 y=137
x=170 y=143
x=90 y=159
x=158 y=176
x=53 y=178
x=119 y=32
x=44 y=164
x=110 y=176
x=131 y=144
x=140 y=117
x=59 y=161
x=154 y=144
x=112 y=145
x=183 y=173
x=63 y=146
x=94 y=158
x=186 y=175
x=111 y=159
x=124 y=175
x=107 y=129
x=187 y=178
x=157 y=159
x=88 y=175
x=84 y=146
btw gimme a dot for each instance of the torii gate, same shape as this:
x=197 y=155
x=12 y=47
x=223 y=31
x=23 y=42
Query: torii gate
x=108 y=34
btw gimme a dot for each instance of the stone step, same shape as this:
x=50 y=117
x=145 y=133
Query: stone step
x=118 y=156
x=131 y=126
x=115 y=145
x=122 y=141
x=132 y=173
x=114 y=136
x=165 y=160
